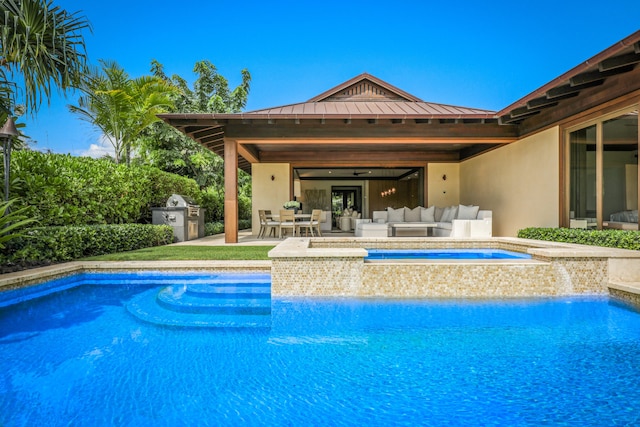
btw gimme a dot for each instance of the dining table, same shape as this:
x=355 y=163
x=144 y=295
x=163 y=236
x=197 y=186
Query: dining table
x=276 y=217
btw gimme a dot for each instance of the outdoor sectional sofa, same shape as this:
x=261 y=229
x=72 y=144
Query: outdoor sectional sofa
x=452 y=221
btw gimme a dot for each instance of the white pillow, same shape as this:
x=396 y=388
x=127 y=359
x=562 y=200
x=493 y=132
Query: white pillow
x=449 y=214
x=468 y=212
x=428 y=214
x=412 y=215
x=395 y=215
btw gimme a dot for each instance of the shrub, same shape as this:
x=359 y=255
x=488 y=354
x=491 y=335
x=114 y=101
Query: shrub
x=57 y=244
x=622 y=239
x=211 y=228
x=67 y=190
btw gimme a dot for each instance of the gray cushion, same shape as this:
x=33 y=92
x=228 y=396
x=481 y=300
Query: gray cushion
x=412 y=215
x=428 y=214
x=449 y=214
x=395 y=215
x=468 y=212
x=438 y=214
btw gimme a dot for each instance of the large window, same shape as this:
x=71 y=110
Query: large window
x=603 y=173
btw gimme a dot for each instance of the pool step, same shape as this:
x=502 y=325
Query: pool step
x=213 y=305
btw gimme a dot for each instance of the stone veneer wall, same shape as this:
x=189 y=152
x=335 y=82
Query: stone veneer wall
x=625 y=296
x=474 y=280
x=582 y=275
x=316 y=276
x=328 y=275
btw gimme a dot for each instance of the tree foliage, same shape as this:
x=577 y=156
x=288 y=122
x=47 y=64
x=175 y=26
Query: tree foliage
x=172 y=151
x=122 y=107
x=43 y=45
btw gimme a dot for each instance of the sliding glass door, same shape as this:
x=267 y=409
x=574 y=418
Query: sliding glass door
x=603 y=173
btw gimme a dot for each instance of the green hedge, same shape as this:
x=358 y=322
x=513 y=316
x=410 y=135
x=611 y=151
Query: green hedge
x=66 y=190
x=58 y=244
x=621 y=239
x=217 y=227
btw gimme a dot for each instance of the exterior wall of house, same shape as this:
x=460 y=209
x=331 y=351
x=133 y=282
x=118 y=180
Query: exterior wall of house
x=519 y=183
x=443 y=192
x=268 y=194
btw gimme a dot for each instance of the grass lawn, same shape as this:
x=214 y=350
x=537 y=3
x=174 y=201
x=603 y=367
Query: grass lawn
x=186 y=253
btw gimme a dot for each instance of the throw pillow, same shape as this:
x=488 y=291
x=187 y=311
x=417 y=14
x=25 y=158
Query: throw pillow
x=412 y=215
x=449 y=214
x=438 y=214
x=428 y=214
x=468 y=212
x=395 y=215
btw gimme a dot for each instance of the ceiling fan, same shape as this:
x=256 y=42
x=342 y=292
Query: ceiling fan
x=356 y=173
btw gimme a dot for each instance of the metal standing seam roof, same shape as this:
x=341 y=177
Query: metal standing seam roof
x=371 y=108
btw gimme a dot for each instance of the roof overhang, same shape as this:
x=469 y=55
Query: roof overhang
x=364 y=139
x=373 y=130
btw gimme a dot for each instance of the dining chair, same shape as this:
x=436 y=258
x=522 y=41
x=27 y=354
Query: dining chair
x=267 y=224
x=311 y=224
x=287 y=220
x=316 y=215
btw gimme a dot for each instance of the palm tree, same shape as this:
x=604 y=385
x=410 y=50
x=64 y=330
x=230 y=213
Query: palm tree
x=43 y=45
x=122 y=107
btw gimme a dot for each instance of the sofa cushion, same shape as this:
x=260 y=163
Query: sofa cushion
x=467 y=212
x=449 y=214
x=412 y=215
x=428 y=214
x=438 y=214
x=395 y=215
x=445 y=225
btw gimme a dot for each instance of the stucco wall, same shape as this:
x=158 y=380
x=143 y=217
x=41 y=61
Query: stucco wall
x=268 y=194
x=443 y=192
x=519 y=183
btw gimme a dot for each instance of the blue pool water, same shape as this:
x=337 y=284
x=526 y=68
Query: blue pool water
x=443 y=254
x=80 y=357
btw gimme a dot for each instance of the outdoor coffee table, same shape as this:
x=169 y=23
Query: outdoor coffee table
x=406 y=225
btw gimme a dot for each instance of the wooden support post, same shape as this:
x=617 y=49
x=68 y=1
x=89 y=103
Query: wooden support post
x=230 y=191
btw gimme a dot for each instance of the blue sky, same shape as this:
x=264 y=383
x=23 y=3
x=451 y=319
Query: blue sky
x=467 y=53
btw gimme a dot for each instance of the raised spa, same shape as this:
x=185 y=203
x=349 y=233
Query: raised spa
x=443 y=254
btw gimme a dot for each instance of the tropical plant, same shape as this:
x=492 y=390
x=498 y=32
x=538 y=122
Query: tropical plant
x=69 y=190
x=172 y=151
x=122 y=107
x=43 y=45
x=12 y=221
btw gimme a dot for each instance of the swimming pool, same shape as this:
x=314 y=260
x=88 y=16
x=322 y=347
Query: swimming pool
x=443 y=254
x=78 y=357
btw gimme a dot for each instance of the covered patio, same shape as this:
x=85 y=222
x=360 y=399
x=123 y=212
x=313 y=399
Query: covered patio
x=368 y=136
x=362 y=130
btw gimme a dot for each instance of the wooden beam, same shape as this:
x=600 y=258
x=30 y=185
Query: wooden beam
x=346 y=157
x=567 y=89
x=230 y=191
x=204 y=131
x=597 y=76
x=361 y=129
x=210 y=137
x=619 y=61
x=544 y=101
x=249 y=153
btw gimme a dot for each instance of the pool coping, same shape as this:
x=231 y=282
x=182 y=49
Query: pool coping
x=623 y=265
x=10 y=281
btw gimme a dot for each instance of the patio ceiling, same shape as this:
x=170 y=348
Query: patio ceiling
x=355 y=173
x=369 y=123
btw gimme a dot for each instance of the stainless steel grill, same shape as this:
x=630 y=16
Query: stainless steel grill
x=181 y=212
x=178 y=201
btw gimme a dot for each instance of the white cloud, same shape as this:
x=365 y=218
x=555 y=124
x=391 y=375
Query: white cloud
x=102 y=148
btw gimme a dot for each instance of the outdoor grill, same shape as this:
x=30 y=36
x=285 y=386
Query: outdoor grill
x=181 y=212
